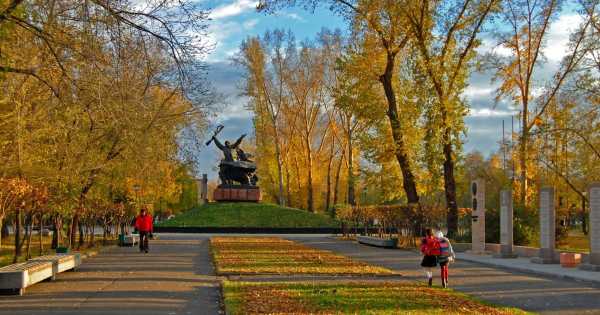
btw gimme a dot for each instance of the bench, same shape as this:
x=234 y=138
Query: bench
x=379 y=242
x=61 y=263
x=131 y=240
x=16 y=277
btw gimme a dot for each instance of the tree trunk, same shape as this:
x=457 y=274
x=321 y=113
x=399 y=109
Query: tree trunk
x=450 y=186
x=56 y=236
x=29 y=235
x=81 y=235
x=583 y=217
x=73 y=230
x=40 y=235
x=4 y=231
x=1 y=229
x=524 y=155
x=351 y=197
x=17 y=235
x=408 y=179
x=328 y=182
x=280 y=196
x=298 y=181
x=310 y=197
x=336 y=189
x=287 y=185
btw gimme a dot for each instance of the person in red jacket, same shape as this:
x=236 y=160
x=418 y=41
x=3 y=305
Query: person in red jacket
x=430 y=248
x=143 y=223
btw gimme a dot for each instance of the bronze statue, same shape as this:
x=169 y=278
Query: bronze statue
x=241 y=170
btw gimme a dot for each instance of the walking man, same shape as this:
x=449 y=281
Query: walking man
x=143 y=223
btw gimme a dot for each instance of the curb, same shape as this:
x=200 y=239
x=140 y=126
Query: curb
x=530 y=271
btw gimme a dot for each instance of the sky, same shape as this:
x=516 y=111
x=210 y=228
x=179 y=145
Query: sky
x=232 y=21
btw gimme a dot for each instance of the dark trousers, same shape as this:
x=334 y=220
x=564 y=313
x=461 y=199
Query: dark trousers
x=144 y=240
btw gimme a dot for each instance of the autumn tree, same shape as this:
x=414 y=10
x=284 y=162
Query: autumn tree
x=446 y=37
x=529 y=23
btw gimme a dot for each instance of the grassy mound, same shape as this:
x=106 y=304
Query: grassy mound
x=249 y=215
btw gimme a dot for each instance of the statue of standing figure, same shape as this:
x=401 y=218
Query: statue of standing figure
x=241 y=169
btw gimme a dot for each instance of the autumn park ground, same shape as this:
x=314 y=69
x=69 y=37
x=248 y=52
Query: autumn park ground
x=213 y=274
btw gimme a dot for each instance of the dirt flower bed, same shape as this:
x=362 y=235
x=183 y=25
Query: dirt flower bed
x=272 y=255
x=351 y=298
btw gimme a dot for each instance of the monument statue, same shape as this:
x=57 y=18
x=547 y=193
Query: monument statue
x=239 y=169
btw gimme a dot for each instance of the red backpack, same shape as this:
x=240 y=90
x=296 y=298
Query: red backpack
x=430 y=246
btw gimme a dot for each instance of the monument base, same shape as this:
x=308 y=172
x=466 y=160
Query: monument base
x=589 y=267
x=237 y=193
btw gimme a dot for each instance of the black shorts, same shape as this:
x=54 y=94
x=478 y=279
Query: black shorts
x=429 y=261
x=443 y=260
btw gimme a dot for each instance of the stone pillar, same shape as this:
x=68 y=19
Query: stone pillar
x=204 y=188
x=506 y=224
x=594 y=198
x=547 y=227
x=478 y=217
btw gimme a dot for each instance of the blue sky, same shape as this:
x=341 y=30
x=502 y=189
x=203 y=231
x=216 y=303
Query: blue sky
x=235 y=20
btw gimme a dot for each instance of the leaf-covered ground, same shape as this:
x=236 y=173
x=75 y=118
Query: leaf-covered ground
x=350 y=298
x=272 y=255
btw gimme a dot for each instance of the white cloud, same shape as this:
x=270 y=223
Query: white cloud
x=473 y=91
x=295 y=16
x=232 y=9
x=488 y=112
x=490 y=46
x=250 y=24
x=558 y=36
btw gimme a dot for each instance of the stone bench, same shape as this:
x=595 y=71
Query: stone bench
x=131 y=240
x=379 y=242
x=61 y=263
x=16 y=277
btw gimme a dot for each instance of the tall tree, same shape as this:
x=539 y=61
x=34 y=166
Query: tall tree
x=529 y=24
x=445 y=35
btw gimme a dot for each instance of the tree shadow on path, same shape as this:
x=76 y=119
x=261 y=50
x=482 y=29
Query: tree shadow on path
x=176 y=277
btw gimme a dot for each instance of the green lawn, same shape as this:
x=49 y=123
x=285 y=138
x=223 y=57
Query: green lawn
x=350 y=298
x=249 y=215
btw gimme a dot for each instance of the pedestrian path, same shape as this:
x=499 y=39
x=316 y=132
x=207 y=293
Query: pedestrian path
x=525 y=265
x=546 y=295
x=176 y=277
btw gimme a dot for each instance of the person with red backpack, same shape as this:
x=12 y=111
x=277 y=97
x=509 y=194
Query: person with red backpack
x=143 y=223
x=445 y=257
x=430 y=248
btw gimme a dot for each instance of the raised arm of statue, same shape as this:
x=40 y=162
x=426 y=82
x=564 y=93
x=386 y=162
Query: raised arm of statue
x=219 y=144
x=235 y=145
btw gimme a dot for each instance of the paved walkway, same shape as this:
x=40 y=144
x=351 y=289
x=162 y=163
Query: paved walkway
x=525 y=265
x=546 y=295
x=176 y=277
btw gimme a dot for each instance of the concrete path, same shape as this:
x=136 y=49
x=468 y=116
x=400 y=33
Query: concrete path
x=525 y=265
x=546 y=295
x=176 y=277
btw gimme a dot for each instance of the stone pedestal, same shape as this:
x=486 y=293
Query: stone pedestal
x=478 y=217
x=547 y=227
x=594 y=198
x=506 y=225
x=237 y=193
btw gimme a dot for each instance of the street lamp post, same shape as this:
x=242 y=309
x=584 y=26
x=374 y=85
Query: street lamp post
x=137 y=189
